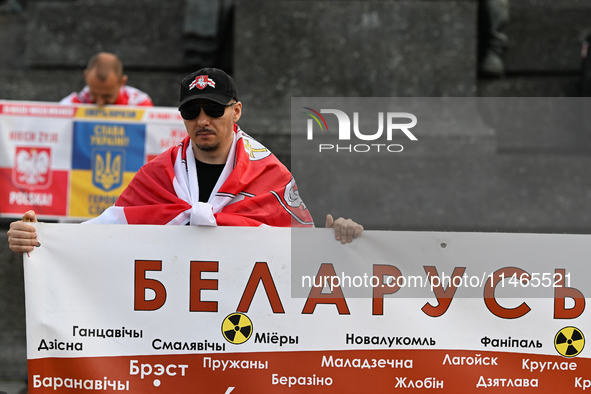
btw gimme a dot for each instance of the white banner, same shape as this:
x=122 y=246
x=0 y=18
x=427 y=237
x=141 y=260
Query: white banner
x=164 y=309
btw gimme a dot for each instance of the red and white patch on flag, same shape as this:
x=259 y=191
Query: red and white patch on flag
x=201 y=82
x=32 y=167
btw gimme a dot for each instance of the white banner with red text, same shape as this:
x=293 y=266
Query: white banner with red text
x=162 y=309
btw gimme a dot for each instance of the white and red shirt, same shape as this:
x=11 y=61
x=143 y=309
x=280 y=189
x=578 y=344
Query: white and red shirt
x=128 y=95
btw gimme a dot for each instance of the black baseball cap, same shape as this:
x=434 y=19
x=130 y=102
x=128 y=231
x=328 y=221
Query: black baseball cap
x=208 y=83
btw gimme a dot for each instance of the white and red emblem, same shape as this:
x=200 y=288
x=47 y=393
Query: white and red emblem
x=201 y=82
x=32 y=167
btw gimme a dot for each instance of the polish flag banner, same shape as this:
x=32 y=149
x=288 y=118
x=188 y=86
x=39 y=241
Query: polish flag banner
x=162 y=309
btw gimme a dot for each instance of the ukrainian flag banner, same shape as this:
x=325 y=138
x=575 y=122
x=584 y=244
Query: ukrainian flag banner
x=108 y=151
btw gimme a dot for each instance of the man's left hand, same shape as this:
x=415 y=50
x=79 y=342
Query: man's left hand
x=345 y=230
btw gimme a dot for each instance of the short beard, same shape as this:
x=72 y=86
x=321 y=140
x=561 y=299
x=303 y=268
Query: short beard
x=208 y=147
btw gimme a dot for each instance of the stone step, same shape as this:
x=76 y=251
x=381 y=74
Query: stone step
x=287 y=49
x=13 y=355
x=531 y=86
x=42 y=85
x=490 y=193
x=545 y=36
x=12 y=42
x=565 y=134
x=143 y=33
x=539 y=124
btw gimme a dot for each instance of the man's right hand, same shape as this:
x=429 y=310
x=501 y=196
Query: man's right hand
x=22 y=237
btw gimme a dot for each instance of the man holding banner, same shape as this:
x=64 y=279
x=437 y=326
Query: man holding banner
x=217 y=176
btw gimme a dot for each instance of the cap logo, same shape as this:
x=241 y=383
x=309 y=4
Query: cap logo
x=201 y=82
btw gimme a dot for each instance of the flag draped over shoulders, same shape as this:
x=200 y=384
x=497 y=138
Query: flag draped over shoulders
x=254 y=189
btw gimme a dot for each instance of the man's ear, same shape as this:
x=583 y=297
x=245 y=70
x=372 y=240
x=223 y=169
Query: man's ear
x=237 y=111
x=123 y=80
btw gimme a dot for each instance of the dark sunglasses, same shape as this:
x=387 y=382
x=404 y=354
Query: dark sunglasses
x=213 y=110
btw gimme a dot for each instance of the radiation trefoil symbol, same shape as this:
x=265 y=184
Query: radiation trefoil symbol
x=237 y=328
x=569 y=341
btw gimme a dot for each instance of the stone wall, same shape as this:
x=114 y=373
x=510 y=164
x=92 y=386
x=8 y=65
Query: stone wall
x=13 y=355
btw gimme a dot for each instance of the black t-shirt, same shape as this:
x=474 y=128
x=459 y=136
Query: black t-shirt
x=207 y=176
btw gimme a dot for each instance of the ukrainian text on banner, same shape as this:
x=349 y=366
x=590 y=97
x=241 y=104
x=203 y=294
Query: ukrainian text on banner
x=74 y=161
x=164 y=309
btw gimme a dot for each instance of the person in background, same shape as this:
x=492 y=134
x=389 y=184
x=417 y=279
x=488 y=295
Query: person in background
x=106 y=84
